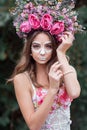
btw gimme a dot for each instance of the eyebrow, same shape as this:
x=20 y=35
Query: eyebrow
x=36 y=42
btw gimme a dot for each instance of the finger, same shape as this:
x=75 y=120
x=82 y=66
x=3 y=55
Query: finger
x=56 y=67
x=70 y=38
x=73 y=38
x=62 y=39
x=58 y=77
x=67 y=33
x=58 y=72
x=55 y=64
x=65 y=37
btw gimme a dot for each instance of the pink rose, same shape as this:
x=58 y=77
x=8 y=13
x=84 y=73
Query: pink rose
x=46 y=22
x=57 y=28
x=34 y=21
x=25 y=27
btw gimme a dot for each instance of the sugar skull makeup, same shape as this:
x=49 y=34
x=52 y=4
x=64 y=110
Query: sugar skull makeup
x=41 y=48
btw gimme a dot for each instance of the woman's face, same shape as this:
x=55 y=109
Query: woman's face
x=41 y=48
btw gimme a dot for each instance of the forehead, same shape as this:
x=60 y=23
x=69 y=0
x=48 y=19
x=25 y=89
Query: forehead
x=42 y=38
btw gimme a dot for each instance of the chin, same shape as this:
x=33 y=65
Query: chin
x=42 y=62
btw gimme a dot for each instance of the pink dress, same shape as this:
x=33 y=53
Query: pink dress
x=59 y=115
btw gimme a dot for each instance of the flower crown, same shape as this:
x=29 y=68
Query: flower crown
x=52 y=16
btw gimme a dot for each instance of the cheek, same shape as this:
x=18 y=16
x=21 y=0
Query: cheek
x=34 y=55
x=49 y=55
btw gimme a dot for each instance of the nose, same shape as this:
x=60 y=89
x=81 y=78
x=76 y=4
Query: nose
x=42 y=51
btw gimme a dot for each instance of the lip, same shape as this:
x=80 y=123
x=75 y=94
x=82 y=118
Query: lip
x=42 y=58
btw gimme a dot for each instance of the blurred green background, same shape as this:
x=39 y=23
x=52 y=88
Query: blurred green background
x=10 y=47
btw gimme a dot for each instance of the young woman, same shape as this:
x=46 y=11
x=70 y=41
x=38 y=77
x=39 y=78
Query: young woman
x=45 y=83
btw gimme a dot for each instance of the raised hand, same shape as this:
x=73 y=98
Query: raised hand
x=67 y=41
x=55 y=75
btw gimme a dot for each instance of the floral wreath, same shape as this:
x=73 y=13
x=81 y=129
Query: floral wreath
x=53 y=16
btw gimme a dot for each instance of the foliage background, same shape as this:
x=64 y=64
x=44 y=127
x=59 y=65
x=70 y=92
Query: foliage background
x=11 y=45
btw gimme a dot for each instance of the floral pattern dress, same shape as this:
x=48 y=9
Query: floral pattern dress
x=59 y=115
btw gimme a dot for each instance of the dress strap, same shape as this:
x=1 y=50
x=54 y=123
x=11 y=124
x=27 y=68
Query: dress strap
x=33 y=87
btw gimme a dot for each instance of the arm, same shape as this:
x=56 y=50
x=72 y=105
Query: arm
x=33 y=119
x=70 y=79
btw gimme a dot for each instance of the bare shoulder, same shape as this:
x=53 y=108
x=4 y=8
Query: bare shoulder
x=18 y=77
x=21 y=80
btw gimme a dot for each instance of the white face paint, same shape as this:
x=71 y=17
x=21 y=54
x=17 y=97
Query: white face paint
x=40 y=48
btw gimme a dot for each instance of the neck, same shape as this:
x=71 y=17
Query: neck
x=41 y=74
x=40 y=68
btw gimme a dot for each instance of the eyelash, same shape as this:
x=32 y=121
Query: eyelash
x=37 y=46
x=48 y=46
